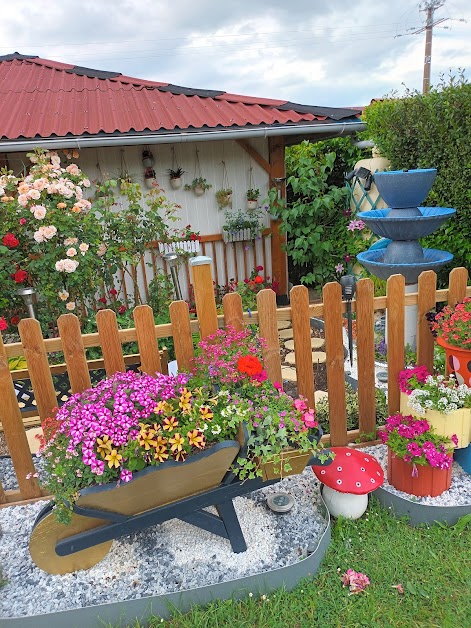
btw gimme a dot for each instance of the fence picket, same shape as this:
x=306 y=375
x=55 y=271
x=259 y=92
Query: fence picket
x=181 y=332
x=3 y=497
x=366 y=356
x=266 y=306
x=74 y=352
x=204 y=295
x=233 y=313
x=395 y=294
x=15 y=434
x=109 y=341
x=332 y=298
x=457 y=285
x=299 y=299
x=38 y=366
x=425 y=302
x=148 y=346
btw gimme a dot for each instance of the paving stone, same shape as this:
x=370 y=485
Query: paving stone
x=284 y=324
x=320 y=394
x=33 y=442
x=285 y=334
x=289 y=374
x=316 y=343
x=317 y=357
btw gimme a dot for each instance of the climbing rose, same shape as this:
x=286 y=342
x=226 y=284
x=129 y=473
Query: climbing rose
x=10 y=240
x=20 y=276
x=3 y=324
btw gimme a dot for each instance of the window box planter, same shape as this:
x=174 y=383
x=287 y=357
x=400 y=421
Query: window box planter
x=187 y=246
x=243 y=235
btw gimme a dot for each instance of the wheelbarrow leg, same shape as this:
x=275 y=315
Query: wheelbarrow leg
x=227 y=513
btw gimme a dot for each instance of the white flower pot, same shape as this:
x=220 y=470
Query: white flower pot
x=188 y=246
x=198 y=191
x=176 y=184
x=151 y=183
x=244 y=235
x=344 y=504
x=252 y=204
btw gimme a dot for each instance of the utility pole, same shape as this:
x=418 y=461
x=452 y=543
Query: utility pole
x=429 y=6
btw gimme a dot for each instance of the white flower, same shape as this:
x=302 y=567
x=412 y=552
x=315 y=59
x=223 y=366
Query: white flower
x=85 y=183
x=49 y=231
x=63 y=295
x=71 y=252
x=70 y=305
x=39 y=235
x=83 y=248
x=34 y=194
x=39 y=212
x=216 y=430
x=101 y=250
x=66 y=265
x=70 y=241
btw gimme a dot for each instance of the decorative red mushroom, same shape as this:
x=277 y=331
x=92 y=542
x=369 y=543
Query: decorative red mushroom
x=348 y=480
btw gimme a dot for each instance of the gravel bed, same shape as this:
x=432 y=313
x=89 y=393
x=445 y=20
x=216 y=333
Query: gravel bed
x=459 y=493
x=173 y=556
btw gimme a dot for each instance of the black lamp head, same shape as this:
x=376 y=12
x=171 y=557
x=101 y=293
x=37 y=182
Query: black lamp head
x=348 y=283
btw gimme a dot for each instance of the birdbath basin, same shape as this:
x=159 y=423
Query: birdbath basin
x=405 y=189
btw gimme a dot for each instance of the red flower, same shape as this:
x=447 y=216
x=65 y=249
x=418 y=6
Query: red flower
x=113 y=292
x=102 y=300
x=122 y=309
x=10 y=240
x=3 y=324
x=258 y=268
x=15 y=320
x=193 y=237
x=22 y=221
x=258 y=279
x=20 y=276
x=249 y=364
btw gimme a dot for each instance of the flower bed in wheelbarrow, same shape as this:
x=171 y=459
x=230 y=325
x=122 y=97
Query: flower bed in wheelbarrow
x=138 y=451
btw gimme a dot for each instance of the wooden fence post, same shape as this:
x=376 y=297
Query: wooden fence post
x=38 y=366
x=299 y=300
x=332 y=297
x=425 y=302
x=74 y=353
x=110 y=342
x=15 y=434
x=366 y=356
x=148 y=346
x=233 y=313
x=181 y=332
x=204 y=295
x=395 y=304
x=458 y=280
x=267 y=321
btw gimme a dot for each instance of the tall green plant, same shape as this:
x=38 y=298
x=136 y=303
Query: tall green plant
x=433 y=130
x=315 y=218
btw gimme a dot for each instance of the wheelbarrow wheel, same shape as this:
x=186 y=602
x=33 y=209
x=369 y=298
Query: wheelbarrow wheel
x=48 y=531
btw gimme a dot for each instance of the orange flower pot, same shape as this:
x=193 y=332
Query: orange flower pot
x=429 y=481
x=458 y=360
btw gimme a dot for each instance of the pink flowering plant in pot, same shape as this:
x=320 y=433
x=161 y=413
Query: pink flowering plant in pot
x=273 y=422
x=433 y=392
x=453 y=324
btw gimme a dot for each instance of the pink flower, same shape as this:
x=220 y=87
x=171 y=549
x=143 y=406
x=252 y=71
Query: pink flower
x=300 y=405
x=356 y=580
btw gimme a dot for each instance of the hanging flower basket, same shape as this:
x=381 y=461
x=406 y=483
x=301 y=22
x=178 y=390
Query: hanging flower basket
x=415 y=479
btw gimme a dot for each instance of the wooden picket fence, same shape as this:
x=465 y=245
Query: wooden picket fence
x=73 y=344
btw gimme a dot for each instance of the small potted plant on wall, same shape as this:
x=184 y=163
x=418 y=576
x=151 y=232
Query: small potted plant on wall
x=176 y=177
x=199 y=185
x=252 y=198
x=224 y=197
x=150 y=179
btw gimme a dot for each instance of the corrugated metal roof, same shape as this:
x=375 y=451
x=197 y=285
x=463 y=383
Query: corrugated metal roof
x=43 y=98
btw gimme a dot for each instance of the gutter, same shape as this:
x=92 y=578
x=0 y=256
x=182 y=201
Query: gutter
x=336 y=129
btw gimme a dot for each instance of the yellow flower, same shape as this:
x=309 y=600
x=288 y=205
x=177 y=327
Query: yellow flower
x=170 y=423
x=160 y=442
x=196 y=439
x=206 y=413
x=176 y=442
x=180 y=456
x=113 y=458
x=163 y=407
x=161 y=454
x=185 y=403
x=104 y=445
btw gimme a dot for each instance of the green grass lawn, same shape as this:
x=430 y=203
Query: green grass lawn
x=433 y=565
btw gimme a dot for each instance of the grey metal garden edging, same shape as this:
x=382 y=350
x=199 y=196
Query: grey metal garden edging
x=420 y=513
x=127 y=612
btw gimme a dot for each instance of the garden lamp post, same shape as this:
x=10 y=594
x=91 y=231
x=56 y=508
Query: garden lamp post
x=29 y=296
x=172 y=261
x=348 y=283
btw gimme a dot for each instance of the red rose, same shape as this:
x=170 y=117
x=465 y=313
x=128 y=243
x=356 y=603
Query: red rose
x=258 y=268
x=15 y=320
x=193 y=237
x=10 y=240
x=3 y=324
x=20 y=276
x=258 y=279
x=122 y=309
x=113 y=292
x=22 y=221
x=102 y=300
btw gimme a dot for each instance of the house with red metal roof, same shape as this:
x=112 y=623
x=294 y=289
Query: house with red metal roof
x=231 y=140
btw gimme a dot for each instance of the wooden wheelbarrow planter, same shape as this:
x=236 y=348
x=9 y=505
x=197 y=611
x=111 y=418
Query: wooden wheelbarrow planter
x=156 y=494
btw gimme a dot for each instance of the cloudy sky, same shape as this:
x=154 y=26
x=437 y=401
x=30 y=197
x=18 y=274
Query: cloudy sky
x=332 y=53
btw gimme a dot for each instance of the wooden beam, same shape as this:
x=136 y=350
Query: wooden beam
x=279 y=259
x=255 y=155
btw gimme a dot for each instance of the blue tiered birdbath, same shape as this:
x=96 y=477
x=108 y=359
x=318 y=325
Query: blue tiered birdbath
x=402 y=223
